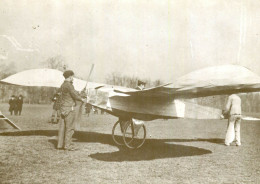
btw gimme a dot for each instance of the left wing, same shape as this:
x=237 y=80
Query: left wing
x=45 y=77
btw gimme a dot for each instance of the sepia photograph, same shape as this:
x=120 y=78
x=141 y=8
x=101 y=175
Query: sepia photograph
x=129 y=91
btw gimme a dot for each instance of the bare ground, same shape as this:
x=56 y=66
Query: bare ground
x=178 y=151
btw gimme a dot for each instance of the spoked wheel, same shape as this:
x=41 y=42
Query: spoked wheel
x=117 y=134
x=134 y=137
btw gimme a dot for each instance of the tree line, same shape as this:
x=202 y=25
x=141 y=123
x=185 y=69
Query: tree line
x=130 y=82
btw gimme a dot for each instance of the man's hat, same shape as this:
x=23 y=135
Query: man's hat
x=140 y=83
x=68 y=73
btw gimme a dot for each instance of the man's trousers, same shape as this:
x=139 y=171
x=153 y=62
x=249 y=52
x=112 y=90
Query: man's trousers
x=233 y=130
x=66 y=131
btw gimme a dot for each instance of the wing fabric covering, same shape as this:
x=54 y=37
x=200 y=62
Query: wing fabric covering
x=45 y=77
x=217 y=80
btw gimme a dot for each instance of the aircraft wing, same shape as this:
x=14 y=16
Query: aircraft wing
x=218 y=80
x=45 y=77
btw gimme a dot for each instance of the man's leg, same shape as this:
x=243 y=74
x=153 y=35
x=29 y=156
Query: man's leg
x=20 y=111
x=58 y=116
x=237 y=131
x=54 y=112
x=69 y=129
x=61 y=134
x=230 y=135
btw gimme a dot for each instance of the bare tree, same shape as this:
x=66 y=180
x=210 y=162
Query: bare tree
x=6 y=69
x=56 y=62
x=130 y=82
x=157 y=82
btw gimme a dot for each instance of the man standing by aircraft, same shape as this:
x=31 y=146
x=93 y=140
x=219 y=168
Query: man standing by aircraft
x=69 y=96
x=233 y=109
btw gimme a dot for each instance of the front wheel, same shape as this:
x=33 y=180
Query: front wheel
x=134 y=136
x=117 y=134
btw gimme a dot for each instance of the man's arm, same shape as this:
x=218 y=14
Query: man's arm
x=54 y=98
x=74 y=94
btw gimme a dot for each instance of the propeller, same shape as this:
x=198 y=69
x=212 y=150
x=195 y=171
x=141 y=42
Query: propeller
x=82 y=92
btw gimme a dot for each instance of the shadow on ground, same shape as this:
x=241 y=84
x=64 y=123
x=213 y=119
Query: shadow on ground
x=152 y=149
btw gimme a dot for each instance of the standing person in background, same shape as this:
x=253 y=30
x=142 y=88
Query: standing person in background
x=68 y=101
x=56 y=107
x=12 y=105
x=95 y=110
x=16 y=106
x=88 y=108
x=19 y=104
x=233 y=109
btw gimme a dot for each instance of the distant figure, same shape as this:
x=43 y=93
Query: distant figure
x=12 y=104
x=19 y=103
x=140 y=85
x=95 y=110
x=233 y=109
x=56 y=108
x=16 y=106
x=88 y=108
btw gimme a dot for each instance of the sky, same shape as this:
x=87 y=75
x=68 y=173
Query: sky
x=149 y=39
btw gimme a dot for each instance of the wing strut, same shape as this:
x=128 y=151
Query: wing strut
x=2 y=117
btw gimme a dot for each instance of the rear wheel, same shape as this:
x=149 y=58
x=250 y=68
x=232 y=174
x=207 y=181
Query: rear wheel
x=132 y=137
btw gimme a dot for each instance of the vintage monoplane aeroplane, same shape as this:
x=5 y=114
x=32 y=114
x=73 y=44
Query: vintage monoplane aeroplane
x=161 y=102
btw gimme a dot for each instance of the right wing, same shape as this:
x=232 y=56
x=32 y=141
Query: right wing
x=218 y=80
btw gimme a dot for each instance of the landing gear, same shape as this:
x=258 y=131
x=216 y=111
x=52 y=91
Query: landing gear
x=129 y=133
x=134 y=135
x=117 y=133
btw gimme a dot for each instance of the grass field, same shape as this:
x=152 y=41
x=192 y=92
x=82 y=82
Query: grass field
x=178 y=151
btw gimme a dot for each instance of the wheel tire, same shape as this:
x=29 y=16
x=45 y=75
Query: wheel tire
x=132 y=141
x=118 y=139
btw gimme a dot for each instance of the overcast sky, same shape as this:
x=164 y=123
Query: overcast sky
x=148 y=39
